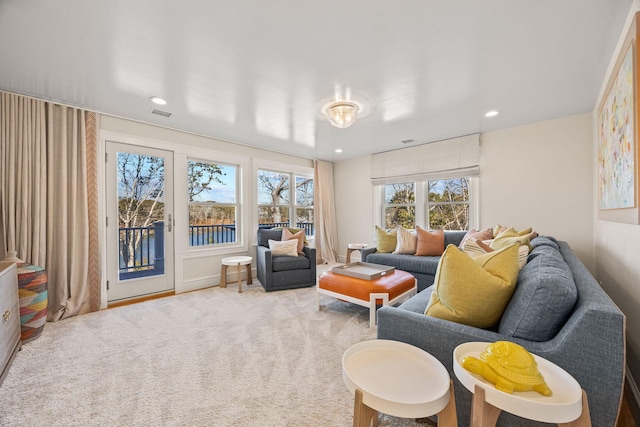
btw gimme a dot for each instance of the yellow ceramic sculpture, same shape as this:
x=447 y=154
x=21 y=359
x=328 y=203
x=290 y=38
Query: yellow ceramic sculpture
x=509 y=366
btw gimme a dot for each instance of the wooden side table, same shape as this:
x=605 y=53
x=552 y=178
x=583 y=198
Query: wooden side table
x=398 y=379
x=567 y=406
x=354 y=247
x=238 y=261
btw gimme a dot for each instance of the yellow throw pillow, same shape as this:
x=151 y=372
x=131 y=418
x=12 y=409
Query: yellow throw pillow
x=385 y=240
x=508 y=237
x=430 y=243
x=299 y=236
x=474 y=291
x=407 y=242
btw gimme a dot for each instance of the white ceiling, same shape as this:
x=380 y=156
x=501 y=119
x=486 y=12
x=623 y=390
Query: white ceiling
x=259 y=72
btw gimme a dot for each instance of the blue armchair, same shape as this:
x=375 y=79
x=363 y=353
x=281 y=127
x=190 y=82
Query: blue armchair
x=282 y=272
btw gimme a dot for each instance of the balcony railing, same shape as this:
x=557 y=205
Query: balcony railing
x=142 y=248
x=226 y=233
x=141 y=251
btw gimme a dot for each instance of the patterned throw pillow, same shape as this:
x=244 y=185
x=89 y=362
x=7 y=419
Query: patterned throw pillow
x=299 y=236
x=430 y=243
x=475 y=248
x=386 y=240
x=486 y=234
x=474 y=291
x=407 y=242
x=286 y=248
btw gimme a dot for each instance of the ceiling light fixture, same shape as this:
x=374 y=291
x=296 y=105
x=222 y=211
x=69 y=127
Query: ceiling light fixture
x=491 y=113
x=342 y=114
x=157 y=100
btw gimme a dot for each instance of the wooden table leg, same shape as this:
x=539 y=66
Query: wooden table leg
x=448 y=416
x=584 y=420
x=249 y=278
x=483 y=414
x=363 y=416
x=223 y=276
x=239 y=278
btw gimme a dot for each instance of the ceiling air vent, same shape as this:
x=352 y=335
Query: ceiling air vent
x=161 y=113
x=408 y=141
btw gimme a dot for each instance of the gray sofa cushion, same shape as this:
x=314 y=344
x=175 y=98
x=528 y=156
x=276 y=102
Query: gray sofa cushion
x=545 y=241
x=418 y=303
x=422 y=264
x=543 y=299
x=286 y=263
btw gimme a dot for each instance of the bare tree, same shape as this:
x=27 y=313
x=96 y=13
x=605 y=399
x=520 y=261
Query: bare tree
x=277 y=186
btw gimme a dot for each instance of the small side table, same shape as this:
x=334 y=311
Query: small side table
x=398 y=379
x=354 y=247
x=238 y=261
x=567 y=406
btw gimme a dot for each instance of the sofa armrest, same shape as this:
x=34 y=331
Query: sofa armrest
x=436 y=336
x=366 y=252
x=311 y=254
x=264 y=264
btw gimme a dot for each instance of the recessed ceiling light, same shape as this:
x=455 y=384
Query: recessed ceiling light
x=158 y=100
x=339 y=150
x=491 y=113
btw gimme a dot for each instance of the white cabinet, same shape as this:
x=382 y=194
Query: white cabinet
x=9 y=316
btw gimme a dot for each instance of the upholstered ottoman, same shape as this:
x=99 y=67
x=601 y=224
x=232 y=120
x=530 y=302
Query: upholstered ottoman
x=32 y=290
x=386 y=290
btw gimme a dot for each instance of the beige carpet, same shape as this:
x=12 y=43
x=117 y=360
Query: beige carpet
x=207 y=358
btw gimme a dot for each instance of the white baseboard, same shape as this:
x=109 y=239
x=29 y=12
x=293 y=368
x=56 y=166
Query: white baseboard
x=214 y=280
x=633 y=386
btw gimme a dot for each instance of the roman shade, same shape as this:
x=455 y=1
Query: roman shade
x=446 y=159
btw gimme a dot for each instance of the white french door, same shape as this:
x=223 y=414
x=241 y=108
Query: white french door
x=140 y=251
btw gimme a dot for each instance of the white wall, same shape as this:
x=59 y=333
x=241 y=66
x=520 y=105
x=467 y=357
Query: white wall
x=354 y=203
x=133 y=128
x=537 y=175
x=617 y=252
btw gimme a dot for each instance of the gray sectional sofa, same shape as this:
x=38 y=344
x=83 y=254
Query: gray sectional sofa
x=558 y=311
x=422 y=268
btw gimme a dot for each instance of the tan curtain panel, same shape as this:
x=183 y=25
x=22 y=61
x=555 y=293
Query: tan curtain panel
x=44 y=197
x=325 y=211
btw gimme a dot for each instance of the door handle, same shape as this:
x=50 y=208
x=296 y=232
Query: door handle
x=170 y=224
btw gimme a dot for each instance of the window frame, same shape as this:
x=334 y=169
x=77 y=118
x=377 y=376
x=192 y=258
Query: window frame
x=386 y=205
x=422 y=202
x=237 y=205
x=292 y=171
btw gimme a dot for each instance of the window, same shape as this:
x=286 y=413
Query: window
x=278 y=205
x=213 y=203
x=400 y=205
x=439 y=204
x=448 y=204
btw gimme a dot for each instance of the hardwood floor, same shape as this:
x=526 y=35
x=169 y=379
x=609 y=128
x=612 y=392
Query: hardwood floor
x=629 y=413
x=140 y=299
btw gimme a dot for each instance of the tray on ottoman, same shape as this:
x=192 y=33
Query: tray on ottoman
x=363 y=270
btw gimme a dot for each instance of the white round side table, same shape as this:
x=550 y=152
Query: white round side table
x=398 y=379
x=567 y=406
x=354 y=247
x=238 y=261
